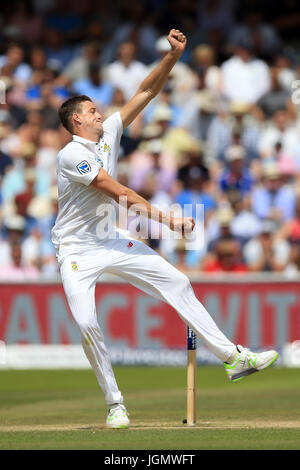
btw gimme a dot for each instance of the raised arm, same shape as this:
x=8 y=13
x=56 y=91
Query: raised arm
x=120 y=193
x=154 y=82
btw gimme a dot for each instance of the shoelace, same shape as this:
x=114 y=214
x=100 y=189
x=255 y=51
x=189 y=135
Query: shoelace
x=117 y=409
x=249 y=358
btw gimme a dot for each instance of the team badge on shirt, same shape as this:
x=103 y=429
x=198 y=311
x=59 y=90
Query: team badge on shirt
x=83 y=167
x=74 y=265
x=106 y=148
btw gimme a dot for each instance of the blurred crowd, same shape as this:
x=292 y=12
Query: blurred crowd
x=224 y=132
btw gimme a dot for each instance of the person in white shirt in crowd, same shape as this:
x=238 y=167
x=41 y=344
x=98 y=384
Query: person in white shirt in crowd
x=126 y=73
x=245 y=78
x=265 y=252
x=280 y=130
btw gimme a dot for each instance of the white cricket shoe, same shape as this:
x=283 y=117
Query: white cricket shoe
x=117 y=417
x=246 y=362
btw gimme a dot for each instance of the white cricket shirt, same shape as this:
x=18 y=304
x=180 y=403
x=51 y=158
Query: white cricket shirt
x=83 y=210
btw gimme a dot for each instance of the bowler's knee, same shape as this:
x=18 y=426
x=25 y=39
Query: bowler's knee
x=182 y=282
x=86 y=325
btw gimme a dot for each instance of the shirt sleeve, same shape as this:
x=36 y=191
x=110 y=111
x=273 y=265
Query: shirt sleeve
x=80 y=168
x=113 y=125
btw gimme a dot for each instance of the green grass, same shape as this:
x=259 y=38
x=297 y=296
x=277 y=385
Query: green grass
x=66 y=410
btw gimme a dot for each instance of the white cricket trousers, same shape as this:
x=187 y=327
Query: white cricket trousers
x=142 y=267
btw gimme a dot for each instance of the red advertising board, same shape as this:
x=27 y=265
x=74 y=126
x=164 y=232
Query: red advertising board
x=254 y=314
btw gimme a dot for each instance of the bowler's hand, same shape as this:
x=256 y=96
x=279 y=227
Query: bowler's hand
x=182 y=224
x=177 y=40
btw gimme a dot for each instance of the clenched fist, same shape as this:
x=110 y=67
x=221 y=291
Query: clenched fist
x=177 y=40
x=182 y=224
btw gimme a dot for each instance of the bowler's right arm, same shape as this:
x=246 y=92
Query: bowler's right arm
x=120 y=193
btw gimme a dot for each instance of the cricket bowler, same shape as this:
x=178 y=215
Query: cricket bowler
x=88 y=188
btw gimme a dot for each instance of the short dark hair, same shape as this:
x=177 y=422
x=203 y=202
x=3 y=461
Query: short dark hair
x=72 y=105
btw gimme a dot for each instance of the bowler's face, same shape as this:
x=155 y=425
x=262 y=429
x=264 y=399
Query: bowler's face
x=90 y=117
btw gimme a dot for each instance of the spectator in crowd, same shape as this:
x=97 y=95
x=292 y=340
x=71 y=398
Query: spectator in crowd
x=117 y=101
x=45 y=93
x=194 y=194
x=245 y=224
x=192 y=158
x=126 y=73
x=227 y=258
x=46 y=155
x=219 y=227
x=15 y=142
x=277 y=98
x=204 y=65
x=95 y=87
x=280 y=129
x=236 y=177
x=264 y=252
x=15 y=270
x=38 y=60
x=273 y=200
x=59 y=55
x=14 y=181
x=31 y=248
x=12 y=233
x=233 y=124
x=245 y=78
x=152 y=158
x=199 y=111
x=51 y=98
x=22 y=202
x=78 y=68
x=164 y=99
x=293 y=266
x=287 y=71
x=13 y=60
